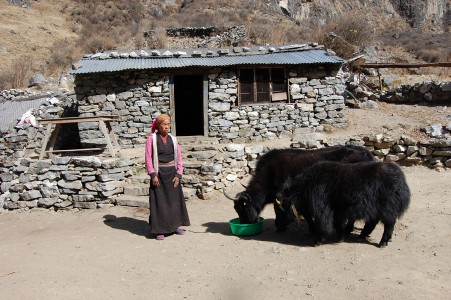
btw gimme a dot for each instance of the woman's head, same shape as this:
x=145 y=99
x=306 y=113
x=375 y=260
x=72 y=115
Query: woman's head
x=162 y=123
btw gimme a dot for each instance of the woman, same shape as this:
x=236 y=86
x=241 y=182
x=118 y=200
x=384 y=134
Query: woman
x=164 y=165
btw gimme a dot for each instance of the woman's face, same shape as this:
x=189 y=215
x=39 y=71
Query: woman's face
x=164 y=127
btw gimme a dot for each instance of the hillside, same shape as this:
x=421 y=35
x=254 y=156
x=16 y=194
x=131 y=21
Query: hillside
x=47 y=36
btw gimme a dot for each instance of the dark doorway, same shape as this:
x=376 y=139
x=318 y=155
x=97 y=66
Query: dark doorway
x=188 y=102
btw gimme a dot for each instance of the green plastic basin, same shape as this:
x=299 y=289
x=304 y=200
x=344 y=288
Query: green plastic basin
x=246 y=229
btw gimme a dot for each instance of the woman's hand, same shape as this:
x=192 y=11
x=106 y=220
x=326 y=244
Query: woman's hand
x=155 y=181
x=176 y=181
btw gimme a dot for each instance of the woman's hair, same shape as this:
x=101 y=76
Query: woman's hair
x=158 y=120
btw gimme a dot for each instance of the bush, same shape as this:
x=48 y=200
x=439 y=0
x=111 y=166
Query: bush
x=346 y=34
x=424 y=45
x=18 y=74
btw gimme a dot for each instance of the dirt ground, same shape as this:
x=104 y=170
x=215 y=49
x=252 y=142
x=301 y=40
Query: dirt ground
x=108 y=253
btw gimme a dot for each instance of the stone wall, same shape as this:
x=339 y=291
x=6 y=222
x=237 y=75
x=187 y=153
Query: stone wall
x=89 y=182
x=62 y=182
x=137 y=97
x=314 y=102
x=429 y=91
x=432 y=91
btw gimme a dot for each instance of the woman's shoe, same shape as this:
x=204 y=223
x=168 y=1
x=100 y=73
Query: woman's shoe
x=160 y=237
x=180 y=231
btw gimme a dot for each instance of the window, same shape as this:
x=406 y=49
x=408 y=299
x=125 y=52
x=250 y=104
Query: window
x=262 y=85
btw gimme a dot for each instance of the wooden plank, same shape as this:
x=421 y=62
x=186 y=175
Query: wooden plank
x=77 y=119
x=75 y=150
x=104 y=126
x=276 y=96
x=394 y=65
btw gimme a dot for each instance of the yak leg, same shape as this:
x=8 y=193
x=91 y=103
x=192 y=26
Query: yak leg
x=388 y=232
x=339 y=225
x=349 y=227
x=311 y=225
x=319 y=237
x=283 y=218
x=368 y=228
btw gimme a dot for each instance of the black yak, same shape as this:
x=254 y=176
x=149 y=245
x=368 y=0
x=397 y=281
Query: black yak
x=275 y=166
x=331 y=193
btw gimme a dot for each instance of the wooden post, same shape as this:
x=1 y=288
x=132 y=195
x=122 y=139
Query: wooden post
x=380 y=81
x=105 y=132
x=45 y=140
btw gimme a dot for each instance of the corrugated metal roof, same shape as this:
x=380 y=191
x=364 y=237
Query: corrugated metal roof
x=96 y=65
x=11 y=111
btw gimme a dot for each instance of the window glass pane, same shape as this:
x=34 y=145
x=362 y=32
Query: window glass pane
x=261 y=75
x=278 y=80
x=246 y=75
x=262 y=85
x=278 y=75
x=247 y=93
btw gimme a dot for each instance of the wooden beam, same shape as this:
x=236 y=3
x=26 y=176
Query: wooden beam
x=394 y=65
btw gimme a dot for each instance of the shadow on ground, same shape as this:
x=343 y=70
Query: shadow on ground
x=296 y=234
x=132 y=225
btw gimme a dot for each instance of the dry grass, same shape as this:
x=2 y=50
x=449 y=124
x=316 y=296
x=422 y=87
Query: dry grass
x=18 y=74
x=97 y=25
x=347 y=34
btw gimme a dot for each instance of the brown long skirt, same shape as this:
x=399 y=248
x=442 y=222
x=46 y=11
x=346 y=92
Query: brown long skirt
x=167 y=204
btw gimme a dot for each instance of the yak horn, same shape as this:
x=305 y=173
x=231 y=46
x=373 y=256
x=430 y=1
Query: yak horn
x=229 y=197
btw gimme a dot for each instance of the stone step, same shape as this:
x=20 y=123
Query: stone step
x=132 y=201
x=137 y=189
x=142 y=179
x=196 y=140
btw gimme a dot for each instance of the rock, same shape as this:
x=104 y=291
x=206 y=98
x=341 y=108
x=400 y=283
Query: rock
x=37 y=80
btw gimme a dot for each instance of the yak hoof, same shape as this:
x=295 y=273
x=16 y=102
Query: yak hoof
x=318 y=242
x=383 y=244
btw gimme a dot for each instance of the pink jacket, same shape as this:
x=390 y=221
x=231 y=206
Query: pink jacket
x=152 y=166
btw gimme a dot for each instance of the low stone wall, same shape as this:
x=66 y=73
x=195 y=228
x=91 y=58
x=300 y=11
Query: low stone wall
x=88 y=182
x=63 y=182
x=17 y=94
x=431 y=92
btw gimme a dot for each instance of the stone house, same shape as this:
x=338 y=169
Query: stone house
x=237 y=94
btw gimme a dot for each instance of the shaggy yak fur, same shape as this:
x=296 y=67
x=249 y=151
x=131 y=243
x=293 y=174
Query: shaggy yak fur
x=275 y=166
x=330 y=193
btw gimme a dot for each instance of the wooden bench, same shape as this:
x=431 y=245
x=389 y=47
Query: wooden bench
x=104 y=126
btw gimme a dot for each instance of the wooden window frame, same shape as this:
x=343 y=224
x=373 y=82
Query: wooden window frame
x=278 y=96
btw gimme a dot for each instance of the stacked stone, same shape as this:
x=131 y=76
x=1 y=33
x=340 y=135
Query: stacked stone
x=27 y=140
x=12 y=94
x=405 y=150
x=315 y=102
x=191 y=31
x=207 y=168
x=431 y=92
x=21 y=94
x=145 y=95
x=63 y=182
x=87 y=182
x=235 y=34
